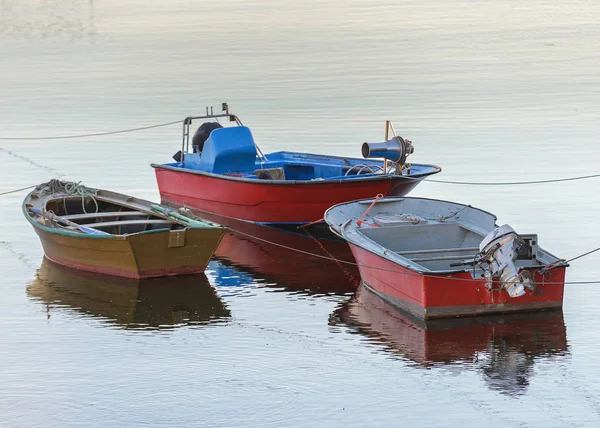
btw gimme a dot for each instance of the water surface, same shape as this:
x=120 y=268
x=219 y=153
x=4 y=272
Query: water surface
x=490 y=91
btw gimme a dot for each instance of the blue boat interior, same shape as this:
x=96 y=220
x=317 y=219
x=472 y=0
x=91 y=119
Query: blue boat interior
x=232 y=151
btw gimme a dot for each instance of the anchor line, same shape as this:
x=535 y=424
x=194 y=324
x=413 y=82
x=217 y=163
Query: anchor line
x=17 y=190
x=342 y=267
x=502 y=183
x=584 y=254
x=95 y=134
x=408 y=177
x=333 y=259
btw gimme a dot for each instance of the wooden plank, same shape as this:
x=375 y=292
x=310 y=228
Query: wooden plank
x=103 y=214
x=128 y=222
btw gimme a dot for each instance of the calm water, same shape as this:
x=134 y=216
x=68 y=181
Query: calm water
x=490 y=91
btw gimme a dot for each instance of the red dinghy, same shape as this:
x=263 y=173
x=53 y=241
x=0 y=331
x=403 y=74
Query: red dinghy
x=439 y=259
x=225 y=173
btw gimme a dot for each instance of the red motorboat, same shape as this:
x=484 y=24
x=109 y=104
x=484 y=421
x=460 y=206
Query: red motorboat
x=224 y=172
x=439 y=259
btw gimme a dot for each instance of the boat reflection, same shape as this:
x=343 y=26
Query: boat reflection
x=152 y=304
x=504 y=349
x=286 y=258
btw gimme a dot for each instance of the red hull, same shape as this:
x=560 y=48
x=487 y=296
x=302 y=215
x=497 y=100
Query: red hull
x=269 y=201
x=449 y=295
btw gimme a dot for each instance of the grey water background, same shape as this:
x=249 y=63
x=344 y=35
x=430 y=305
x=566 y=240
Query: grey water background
x=490 y=91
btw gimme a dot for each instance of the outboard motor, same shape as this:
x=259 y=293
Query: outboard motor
x=199 y=138
x=202 y=134
x=499 y=250
x=395 y=149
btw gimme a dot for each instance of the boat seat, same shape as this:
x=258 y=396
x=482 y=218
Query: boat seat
x=439 y=250
x=73 y=217
x=440 y=258
x=270 y=173
x=440 y=254
x=127 y=222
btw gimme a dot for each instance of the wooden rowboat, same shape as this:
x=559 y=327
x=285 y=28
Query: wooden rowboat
x=110 y=233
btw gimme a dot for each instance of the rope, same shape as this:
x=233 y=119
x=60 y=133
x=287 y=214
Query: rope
x=64 y=137
x=584 y=254
x=79 y=189
x=342 y=267
x=361 y=219
x=469 y=183
x=504 y=183
x=17 y=190
x=444 y=218
x=424 y=275
x=29 y=161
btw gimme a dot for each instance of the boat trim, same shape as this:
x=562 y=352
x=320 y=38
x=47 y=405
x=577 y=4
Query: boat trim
x=379 y=177
x=66 y=232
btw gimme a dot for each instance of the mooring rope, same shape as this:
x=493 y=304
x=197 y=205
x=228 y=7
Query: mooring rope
x=96 y=134
x=502 y=183
x=78 y=189
x=431 y=180
x=17 y=190
x=584 y=254
x=333 y=259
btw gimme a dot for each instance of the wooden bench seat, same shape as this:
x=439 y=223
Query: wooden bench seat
x=127 y=222
x=74 y=217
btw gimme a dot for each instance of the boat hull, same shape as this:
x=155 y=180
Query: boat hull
x=429 y=296
x=266 y=201
x=139 y=256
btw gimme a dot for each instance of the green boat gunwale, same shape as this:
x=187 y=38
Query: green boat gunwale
x=74 y=234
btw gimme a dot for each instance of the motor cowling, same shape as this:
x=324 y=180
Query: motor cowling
x=395 y=149
x=499 y=250
x=202 y=134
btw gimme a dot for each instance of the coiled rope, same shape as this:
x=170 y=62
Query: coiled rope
x=68 y=188
x=74 y=189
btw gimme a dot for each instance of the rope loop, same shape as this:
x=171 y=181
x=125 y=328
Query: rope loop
x=78 y=189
